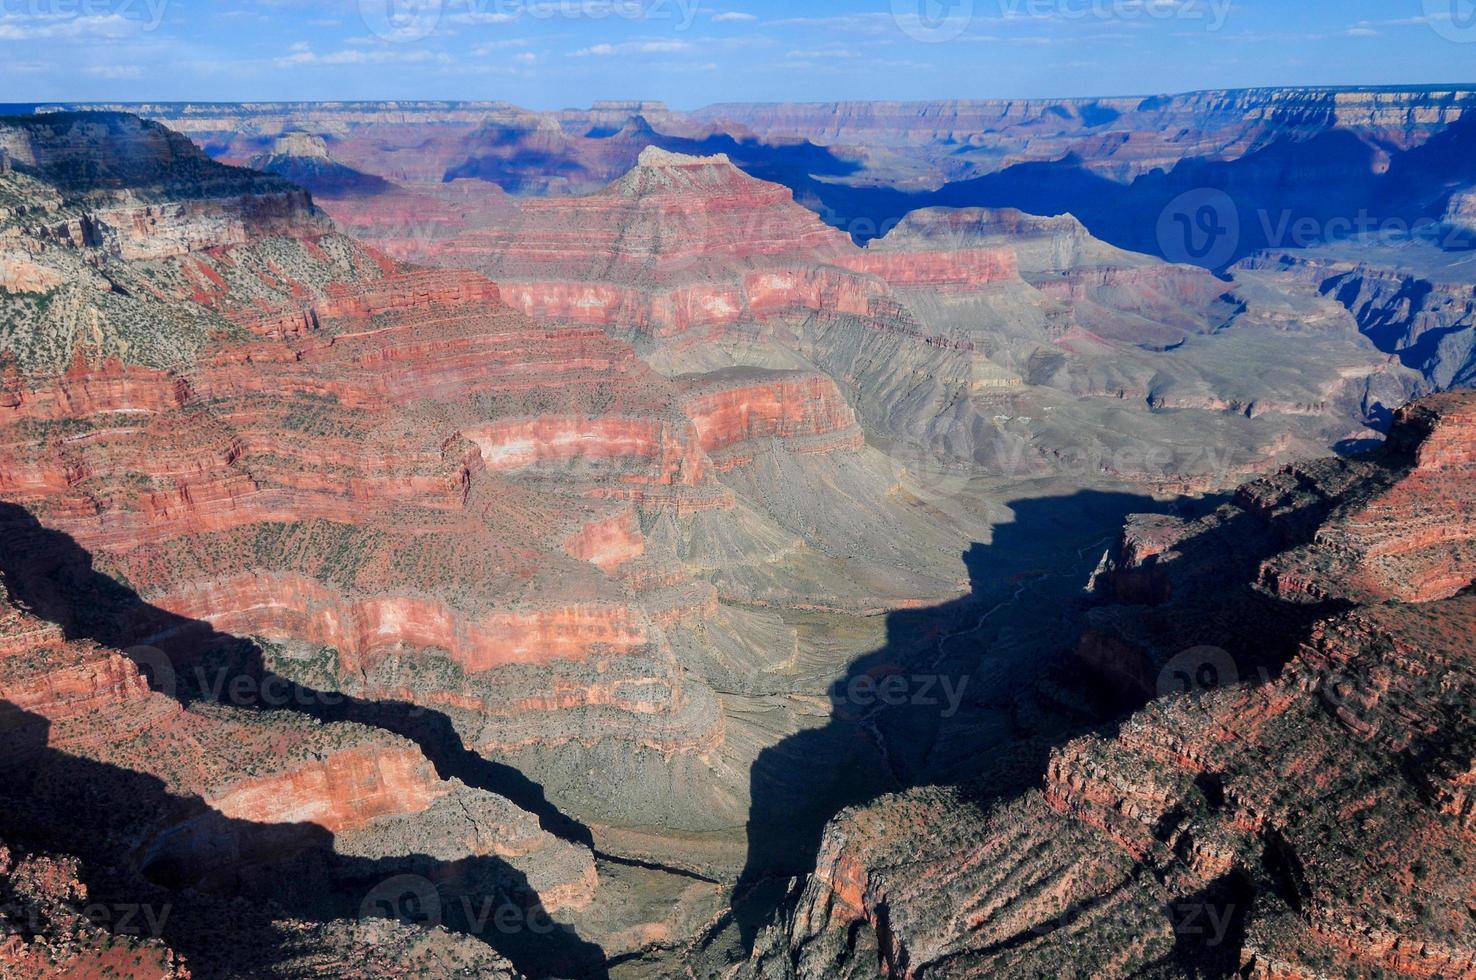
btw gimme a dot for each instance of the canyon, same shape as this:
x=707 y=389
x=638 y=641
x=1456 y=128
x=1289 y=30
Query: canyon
x=421 y=561
x=1294 y=801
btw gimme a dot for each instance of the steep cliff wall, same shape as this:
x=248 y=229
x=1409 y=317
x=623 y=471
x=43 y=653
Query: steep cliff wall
x=1278 y=821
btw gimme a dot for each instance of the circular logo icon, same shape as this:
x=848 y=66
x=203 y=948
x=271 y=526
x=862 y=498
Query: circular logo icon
x=1454 y=20
x=404 y=898
x=401 y=21
x=1200 y=227
x=933 y=21
x=1196 y=671
x=157 y=669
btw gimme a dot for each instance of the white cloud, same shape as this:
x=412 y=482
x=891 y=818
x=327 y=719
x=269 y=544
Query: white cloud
x=633 y=47
x=503 y=45
x=733 y=17
x=301 y=54
x=823 y=53
x=479 y=18
x=114 y=71
x=862 y=23
x=355 y=57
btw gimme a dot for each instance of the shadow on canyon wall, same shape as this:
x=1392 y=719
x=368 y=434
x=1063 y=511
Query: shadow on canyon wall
x=57 y=802
x=1211 y=212
x=940 y=702
x=895 y=706
x=1287 y=194
x=957 y=669
x=521 y=162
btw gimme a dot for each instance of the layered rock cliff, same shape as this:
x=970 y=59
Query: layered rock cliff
x=1294 y=802
x=1165 y=128
x=956 y=323
x=557 y=617
x=1412 y=298
x=454 y=591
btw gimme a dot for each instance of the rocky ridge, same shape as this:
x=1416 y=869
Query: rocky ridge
x=463 y=544
x=954 y=325
x=1292 y=805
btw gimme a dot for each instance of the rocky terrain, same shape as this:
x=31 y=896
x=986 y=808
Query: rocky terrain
x=978 y=338
x=1272 y=163
x=1295 y=802
x=1412 y=298
x=426 y=558
x=336 y=555
x=936 y=141
x=1223 y=124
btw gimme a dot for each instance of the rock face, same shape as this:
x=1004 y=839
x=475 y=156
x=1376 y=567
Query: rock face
x=150 y=794
x=48 y=933
x=1120 y=137
x=1328 y=157
x=679 y=242
x=1309 y=819
x=388 y=545
x=414 y=621
x=161 y=198
x=303 y=158
x=1224 y=124
x=1412 y=299
x=1460 y=217
x=950 y=328
x=734 y=409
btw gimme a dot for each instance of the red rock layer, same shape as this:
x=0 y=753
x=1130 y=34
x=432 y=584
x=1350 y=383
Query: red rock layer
x=670 y=216
x=670 y=313
x=608 y=542
x=344 y=793
x=152 y=475
x=956 y=269
x=731 y=409
x=687 y=242
x=1414 y=539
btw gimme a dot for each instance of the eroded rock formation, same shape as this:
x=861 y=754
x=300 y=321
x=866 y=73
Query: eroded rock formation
x=397 y=545
x=1258 y=819
x=546 y=589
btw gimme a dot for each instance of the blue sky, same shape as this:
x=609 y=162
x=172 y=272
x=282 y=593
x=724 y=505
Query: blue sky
x=554 y=53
